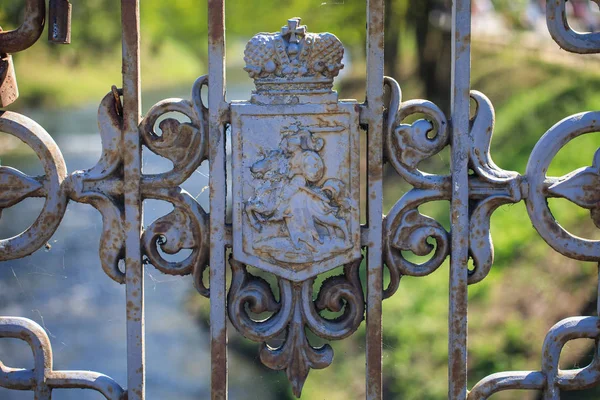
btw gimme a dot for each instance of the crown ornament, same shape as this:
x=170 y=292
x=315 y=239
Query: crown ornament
x=293 y=61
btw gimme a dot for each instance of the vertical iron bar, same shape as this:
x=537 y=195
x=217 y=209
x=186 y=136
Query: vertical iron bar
x=132 y=159
x=374 y=103
x=218 y=192
x=460 y=102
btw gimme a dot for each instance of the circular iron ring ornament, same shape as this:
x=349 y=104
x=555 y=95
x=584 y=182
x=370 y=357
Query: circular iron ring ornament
x=48 y=186
x=537 y=206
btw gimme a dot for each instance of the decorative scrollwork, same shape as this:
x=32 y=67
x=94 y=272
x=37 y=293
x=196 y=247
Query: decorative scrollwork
x=16 y=186
x=409 y=144
x=42 y=379
x=183 y=143
x=405 y=229
x=102 y=187
x=293 y=313
x=183 y=228
x=489 y=188
x=408 y=230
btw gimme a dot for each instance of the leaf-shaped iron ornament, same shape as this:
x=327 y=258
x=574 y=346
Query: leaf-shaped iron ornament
x=102 y=187
x=16 y=186
x=582 y=187
x=490 y=187
x=296 y=356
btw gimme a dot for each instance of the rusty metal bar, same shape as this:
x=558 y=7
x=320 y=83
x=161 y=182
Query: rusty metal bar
x=30 y=30
x=134 y=268
x=375 y=105
x=218 y=191
x=59 y=18
x=460 y=102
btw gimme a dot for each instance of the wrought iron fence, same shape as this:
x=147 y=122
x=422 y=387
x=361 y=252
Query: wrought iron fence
x=296 y=211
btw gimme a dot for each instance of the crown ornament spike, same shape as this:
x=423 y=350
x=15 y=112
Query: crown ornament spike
x=294 y=65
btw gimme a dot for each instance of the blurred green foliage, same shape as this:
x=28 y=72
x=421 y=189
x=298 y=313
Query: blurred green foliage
x=512 y=10
x=182 y=25
x=530 y=288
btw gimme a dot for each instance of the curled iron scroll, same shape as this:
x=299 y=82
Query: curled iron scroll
x=295 y=312
x=405 y=228
x=186 y=227
x=183 y=228
x=182 y=143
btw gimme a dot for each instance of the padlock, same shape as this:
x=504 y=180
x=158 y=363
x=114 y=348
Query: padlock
x=59 y=17
x=9 y=92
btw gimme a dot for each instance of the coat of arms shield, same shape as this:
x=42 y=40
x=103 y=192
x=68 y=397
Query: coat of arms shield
x=296 y=158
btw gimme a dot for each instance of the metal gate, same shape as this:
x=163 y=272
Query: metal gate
x=296 y=211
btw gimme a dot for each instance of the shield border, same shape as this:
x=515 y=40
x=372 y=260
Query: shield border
x=245 y=109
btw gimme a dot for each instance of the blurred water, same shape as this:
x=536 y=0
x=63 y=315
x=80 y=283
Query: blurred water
x=65 y=290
